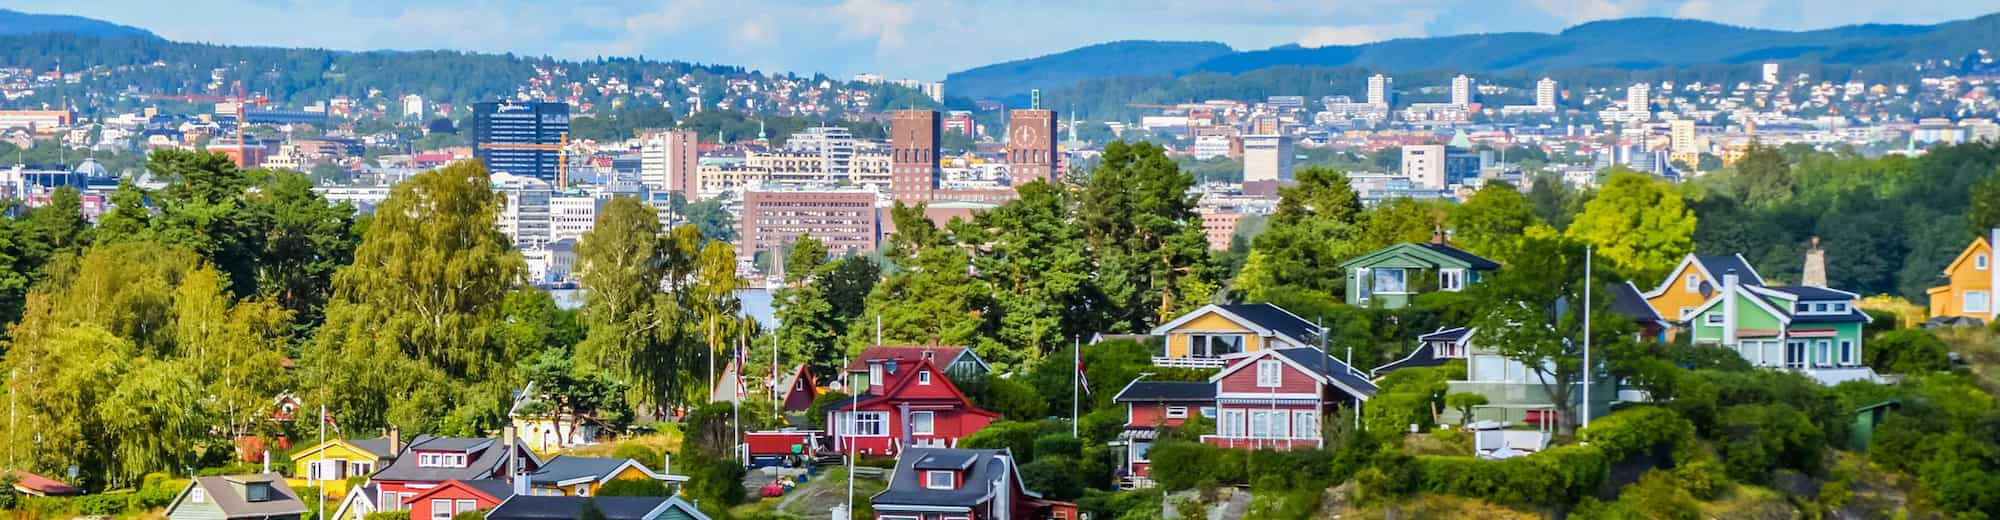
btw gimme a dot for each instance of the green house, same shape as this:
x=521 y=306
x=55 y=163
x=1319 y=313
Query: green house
x=1390 y=277
x=1815 y=331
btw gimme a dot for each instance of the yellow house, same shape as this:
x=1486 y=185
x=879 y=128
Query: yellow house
x=1203 y=338
x=1694 y=282
x=1970 y=279
x=337 y=459
x=565 y=475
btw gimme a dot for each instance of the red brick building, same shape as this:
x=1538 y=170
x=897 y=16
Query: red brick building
x=913 y=147
x=846 y=221
x=1031 y=146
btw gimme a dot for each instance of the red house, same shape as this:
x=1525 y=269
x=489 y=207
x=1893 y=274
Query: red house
x=1275 y=398
x=798 y=390
x=458 y=496
x=431 y=461
x=914 y=405
x=1149 y=406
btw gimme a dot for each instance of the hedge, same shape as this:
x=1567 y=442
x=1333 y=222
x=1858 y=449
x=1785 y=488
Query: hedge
x=1556 y=476
x=1638 y=430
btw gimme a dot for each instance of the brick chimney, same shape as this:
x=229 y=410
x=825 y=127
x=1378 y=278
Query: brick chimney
x=1815 y=273
x=395 y=441
x=1437 y=235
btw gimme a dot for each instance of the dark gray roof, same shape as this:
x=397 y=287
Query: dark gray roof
x=484 y=463
x=953 y=460
x=1476 y=262
x=1446 y=334
x=379 y=447
x=531 y=507
x=1424 y=356
x=1627 y=301
x=1850 y=317
x=1151 y=391
x=1317 y=361
x=1277 y=319
x=1720 y=266
x=227 y=493
x=1813 y=293
x=493 y=487
x=565 y=467
x=906 y=487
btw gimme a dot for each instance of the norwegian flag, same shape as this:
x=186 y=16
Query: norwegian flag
x=741 y=361
x=1082 y=379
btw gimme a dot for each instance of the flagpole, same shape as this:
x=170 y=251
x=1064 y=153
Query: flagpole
x=322 y=457
x=847 y=429
x=1076 y=382
x=1587 y=285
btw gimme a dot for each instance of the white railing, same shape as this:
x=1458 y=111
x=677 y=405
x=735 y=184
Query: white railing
x=1188 y=362
x=1830 y=376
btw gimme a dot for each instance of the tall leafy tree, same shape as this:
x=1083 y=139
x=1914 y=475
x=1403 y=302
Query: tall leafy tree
x=809 y=330
x=1492 y=221
x=1318 y=224
x=1532 y=316
x=1140 y=225
x=419 y=304
x=1638 y=224
x=129 y=219
x=618 y=265
x=1032 y=256
x=1763 y=176
x=1984 y=213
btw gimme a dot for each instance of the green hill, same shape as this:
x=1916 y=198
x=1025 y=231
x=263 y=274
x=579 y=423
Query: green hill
x=16 y=22
x=1121 y=58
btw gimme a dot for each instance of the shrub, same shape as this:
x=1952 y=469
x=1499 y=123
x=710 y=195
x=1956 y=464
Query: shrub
x=1012 y=435
x=817 y=412
x=1639 y=430
x=1055 y=477
x=104 y=505
x=470 y=515
x=1908 y=351
x=1464 y=402
x=639 y=452
x=634 y=488
x=1183 y=464
x=1391 y=414
x=1759 y=438
x=388 y=515
x=1010 y=398
x=1704 y=479
x=1557 y=476
x=711 y=479
x=1058 y=445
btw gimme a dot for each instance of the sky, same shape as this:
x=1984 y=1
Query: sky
x=920 y=39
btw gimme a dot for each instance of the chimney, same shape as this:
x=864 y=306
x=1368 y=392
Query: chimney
x=507 y=443
x=395 y=441
x=1729 y=280
x=1815 y=273
x=1437 y=235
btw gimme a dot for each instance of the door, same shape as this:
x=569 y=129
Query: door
x=1795 y=354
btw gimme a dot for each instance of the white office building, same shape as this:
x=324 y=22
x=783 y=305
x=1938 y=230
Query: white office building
x=1545 y=93
x=1461 y=90
x=1379 y=87
x=1267 y=158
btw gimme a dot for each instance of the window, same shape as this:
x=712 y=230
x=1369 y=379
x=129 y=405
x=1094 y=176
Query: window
x=1140 y=449
x=359 y=468
x=1268 y=374
x=583 y=490
x=1214 y=345
x=198 y=495
x=1389 y=281
x=257 y=492
x=924 y=377
x=1823 y=353
x=1820 y=308
x=440 y=509
x=1279 y=426
x=1177 y=412
x=313 y=470
x=1208 y=412
x=1795 y=354
x=1692 y=283
x=1802 y=307
x=936 y=479
x=1260 y=423
x=1451 y=279
x=1364 y=290
x=1713 y=318
x=388 y=502
x=874 y=373
x=1846 y=352
x=1979 y=262
x=1978 y=301
x=467 y=505
x=867 y=424
x=1840 y=308
x=1305 y=424
x=923 y=423
x=1231 y=424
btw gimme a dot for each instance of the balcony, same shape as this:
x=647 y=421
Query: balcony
x=1251 y=443
x=1188 y=362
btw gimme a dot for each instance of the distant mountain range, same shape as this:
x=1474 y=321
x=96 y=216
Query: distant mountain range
x=1623 y=44
x=16 y=22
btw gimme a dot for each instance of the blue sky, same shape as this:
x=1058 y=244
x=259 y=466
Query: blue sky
x=922 y=39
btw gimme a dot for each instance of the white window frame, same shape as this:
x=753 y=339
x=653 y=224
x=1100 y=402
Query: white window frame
x=1840 y=307
x=1260 y=424
x=1823 y=352
x=1985 y=301
x=464 y=505
x=931 y=479
x=1232 y=423
x=441 y=509
x=1305 y=424
x=854 y=420
x=388 y=501
x=1846 y=352
x=360 y=468
x=1270 y=373
x=1692 y=283
x=1979 y=261
x=1177 y=412
x=198 y=495
x=1365 y=286
x=925 y=426
x=1713 y=319
x=924 y=377
x=1451 y=279
x=1208 y=412
x=1402 y=280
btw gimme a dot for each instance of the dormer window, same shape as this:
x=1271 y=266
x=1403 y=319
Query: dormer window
x=440 y=460
x=1979 y=262
x=257 y=492
x=1693 y=283
x=939 y=479
x=924 y=377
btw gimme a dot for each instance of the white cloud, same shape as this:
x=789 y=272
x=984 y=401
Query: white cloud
x=1578 y=11
x=1353 y=34
x=884 y=20
x=755 y=31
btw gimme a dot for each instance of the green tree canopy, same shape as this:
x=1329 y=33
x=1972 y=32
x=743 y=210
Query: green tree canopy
x=1640 y=227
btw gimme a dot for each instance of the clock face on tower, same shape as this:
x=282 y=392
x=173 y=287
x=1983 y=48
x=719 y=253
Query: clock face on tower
x=1024 y=134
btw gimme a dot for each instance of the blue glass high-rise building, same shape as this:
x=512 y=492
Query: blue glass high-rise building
x=520 y=123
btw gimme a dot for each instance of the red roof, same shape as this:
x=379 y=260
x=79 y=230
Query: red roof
x=43 y=486
x=943 y=354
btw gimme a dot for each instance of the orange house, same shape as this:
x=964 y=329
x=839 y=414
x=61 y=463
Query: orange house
x=1695 y=281
x=1970 y=279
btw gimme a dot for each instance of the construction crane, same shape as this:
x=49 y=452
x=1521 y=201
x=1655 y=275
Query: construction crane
x=561 y=149
x=236 y=97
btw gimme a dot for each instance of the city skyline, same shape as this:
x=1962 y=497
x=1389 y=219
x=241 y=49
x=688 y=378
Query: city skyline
x=889 y=37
